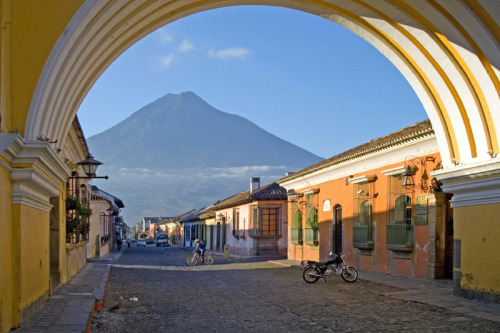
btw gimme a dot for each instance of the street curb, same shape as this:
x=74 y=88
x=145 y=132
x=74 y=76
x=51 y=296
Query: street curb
x=99 y=298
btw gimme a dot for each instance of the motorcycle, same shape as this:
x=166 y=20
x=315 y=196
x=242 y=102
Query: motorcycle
x=313 y=270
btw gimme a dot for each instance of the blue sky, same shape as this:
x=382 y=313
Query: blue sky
x=303 y=78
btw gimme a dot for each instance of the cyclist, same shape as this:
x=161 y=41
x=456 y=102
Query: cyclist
x=200 y=248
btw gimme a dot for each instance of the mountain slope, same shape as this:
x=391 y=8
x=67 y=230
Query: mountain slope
x=180 y=153
x=182 y=130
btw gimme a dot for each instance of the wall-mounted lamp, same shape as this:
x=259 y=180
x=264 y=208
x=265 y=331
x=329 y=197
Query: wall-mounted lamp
x=411 y=170
x=89 y=166
x=408 y=180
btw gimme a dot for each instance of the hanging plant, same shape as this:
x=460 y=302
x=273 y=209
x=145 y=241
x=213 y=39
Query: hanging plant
x=435 y=185
x=312 y=219
x=71 y=203
x=82 y=227
x=71 y=224
x=83 y=210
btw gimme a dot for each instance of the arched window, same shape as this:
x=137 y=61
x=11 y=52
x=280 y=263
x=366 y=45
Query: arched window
x=296 y=231
x=365 y=212
x=400 y=229
x=362 y=230
x=402 y=210
x=312 y=225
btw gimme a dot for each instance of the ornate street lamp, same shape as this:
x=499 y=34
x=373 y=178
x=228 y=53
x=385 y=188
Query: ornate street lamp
x=89 y=166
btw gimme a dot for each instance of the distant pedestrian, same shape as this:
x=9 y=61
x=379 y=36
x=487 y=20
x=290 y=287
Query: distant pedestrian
x=119 y=243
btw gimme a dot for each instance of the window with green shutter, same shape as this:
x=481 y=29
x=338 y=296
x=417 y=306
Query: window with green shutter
x=362 y=230
x=312 y=226
x=296 y=232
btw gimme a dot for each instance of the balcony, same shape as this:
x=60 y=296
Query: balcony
x=296 y=235
x=399 y=238
x=311 y=236
x=362 y=237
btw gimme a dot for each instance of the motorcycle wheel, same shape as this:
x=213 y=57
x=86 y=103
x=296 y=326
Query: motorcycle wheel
x=308 y=278
x=349 y=274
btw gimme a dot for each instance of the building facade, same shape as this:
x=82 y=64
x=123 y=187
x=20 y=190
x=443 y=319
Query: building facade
x=377 y=203
x=253 y=222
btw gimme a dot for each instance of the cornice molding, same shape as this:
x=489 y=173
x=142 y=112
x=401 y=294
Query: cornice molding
x=379 y=159
x=363 y=179
x=472 y=184
x=477 y=192
x=469 y=171
x=36 y=171
x=394 y=172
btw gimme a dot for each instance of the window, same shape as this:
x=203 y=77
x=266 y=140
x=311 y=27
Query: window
x=296 y=232
x=312 y=226
x=363 y=210
x=402 y=210
x=266 y=221
x=400 y=227
x=236 y=222
x=269 y=221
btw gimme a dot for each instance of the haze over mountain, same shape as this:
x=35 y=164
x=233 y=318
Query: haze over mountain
x=179 y=153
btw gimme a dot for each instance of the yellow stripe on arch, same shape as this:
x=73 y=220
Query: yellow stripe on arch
x=440 y=107
x=485 y=112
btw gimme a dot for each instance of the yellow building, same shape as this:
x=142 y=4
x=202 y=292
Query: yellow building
x=102 y=234
x=53 y=51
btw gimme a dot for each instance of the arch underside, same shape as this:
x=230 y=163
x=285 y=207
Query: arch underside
x=449 y=51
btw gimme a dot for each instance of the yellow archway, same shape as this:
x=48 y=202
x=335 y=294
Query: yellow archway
x=53 y=51
x=444 y=49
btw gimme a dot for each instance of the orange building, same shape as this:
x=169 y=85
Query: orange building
x=379 y=204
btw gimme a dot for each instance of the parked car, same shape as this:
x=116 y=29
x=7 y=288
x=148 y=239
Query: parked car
x=150 y=240
x=141 y=242
x=162 y=240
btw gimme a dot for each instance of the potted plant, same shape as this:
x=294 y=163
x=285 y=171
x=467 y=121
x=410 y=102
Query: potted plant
x=71 y=224
x=70 y=203
x=82 y=227
x=83 y=210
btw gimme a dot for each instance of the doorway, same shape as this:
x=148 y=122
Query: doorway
x=448 y=250
x=338 y=238
x=217 y=246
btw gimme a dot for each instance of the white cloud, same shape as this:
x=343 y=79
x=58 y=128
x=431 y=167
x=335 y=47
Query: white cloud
x=239 y=172
x=230 y=53
x=186 y=46
x=166 y=61
x=165 y=36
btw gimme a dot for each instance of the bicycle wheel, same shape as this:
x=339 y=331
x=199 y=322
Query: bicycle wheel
x=209 y=259
x=192 y=260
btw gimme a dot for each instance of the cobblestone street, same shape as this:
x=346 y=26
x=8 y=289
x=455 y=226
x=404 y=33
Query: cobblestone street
x=152 y=289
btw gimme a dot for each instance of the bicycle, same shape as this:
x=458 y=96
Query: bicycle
x=196 y=257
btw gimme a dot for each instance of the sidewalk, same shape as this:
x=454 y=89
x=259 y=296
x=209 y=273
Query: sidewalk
x=71 y=308
x=432 y=292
